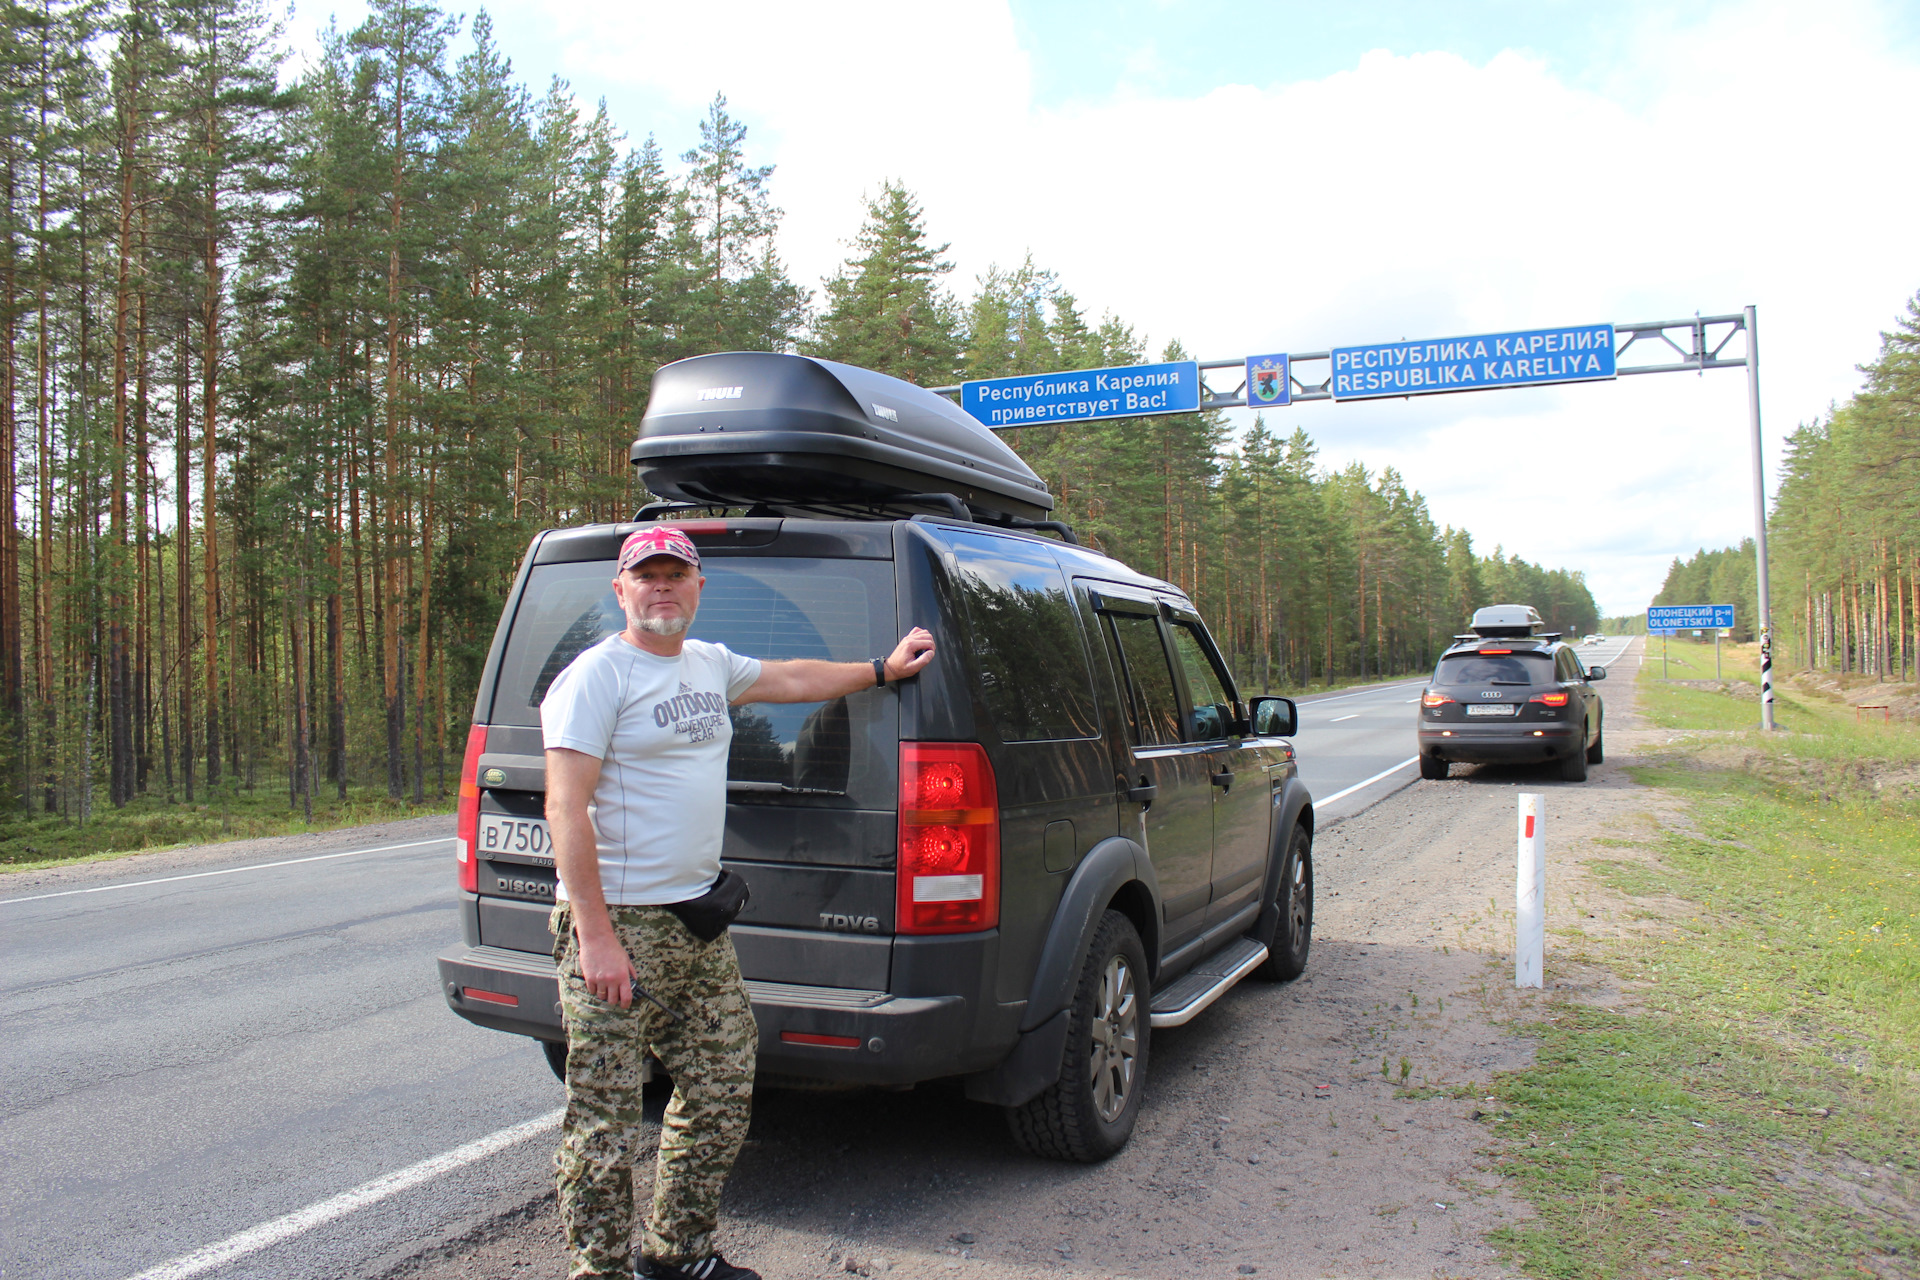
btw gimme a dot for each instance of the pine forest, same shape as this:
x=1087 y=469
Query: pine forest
x=296 y=361
x=1844 y=534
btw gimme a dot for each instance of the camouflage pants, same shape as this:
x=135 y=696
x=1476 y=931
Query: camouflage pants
x=711 y=1059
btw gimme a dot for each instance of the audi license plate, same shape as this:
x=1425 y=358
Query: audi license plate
x=504 y=833
x=1506 y=709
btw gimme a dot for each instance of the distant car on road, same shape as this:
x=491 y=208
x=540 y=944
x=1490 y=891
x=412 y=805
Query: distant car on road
x=1511 y=691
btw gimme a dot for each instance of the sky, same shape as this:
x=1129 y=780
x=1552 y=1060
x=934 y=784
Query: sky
x=1255 y=177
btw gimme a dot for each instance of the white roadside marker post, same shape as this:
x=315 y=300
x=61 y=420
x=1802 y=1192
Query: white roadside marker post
x=1530 y=895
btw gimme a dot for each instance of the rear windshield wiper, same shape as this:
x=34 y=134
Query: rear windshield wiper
x=1522 y=682
x=781 y=789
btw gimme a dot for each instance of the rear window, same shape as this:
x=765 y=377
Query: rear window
x=1027 y=646
x=1474 y=668
x=763 y=607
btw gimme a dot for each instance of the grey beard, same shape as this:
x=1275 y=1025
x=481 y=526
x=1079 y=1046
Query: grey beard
x=663 y=626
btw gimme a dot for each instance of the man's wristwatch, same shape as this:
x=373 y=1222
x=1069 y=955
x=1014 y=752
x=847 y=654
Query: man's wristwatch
x=879 y=672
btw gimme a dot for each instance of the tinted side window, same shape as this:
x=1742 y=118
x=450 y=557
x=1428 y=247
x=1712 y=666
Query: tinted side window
x=1027 y=644
x=1212 y=708
x=1140 y=662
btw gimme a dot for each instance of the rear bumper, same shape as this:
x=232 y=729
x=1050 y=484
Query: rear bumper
x=898 y=1039
x=1526 y=741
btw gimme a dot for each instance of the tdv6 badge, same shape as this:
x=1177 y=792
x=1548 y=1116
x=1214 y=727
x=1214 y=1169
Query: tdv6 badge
x=850 y=924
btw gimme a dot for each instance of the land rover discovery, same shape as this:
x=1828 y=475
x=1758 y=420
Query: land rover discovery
x=1132 y=836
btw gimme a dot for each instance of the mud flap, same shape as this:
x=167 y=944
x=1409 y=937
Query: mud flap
x=1028 y=1070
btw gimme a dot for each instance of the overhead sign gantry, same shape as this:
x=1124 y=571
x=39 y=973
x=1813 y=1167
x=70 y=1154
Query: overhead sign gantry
x=1398 y=370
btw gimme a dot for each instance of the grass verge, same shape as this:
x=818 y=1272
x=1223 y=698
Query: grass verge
x=1754 y=1110
x=150 y=822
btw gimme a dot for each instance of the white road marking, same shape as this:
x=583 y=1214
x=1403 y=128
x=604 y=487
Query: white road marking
x=1384 y=773
x=257 y=1238
x=1335 y=697
x=226 y=871
x=1338 y=719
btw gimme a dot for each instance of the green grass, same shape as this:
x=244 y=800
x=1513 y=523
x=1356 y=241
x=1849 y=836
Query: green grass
x=1756 y=1112
x=149 y=822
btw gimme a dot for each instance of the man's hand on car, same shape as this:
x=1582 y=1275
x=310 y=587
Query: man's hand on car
x=911 y=655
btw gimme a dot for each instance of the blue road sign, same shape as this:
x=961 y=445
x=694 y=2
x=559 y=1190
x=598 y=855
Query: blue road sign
x=1084 y=394
x=1687 y=617
x=1529 y=357
x=1269 y=381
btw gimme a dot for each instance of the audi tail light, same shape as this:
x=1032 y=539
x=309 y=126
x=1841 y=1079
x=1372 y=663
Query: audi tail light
x=1433 y=699
x=1486 y=652
x=1551 y=699
x=466 y=830
x=948 y=875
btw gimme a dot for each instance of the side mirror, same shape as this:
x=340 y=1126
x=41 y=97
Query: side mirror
x=1274 y=717
x=1596 y=673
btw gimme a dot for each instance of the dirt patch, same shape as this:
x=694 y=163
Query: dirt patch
x=1901 y=699
x=1327 y=1127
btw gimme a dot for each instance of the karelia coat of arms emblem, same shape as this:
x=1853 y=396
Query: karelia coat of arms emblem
x=1266 y=384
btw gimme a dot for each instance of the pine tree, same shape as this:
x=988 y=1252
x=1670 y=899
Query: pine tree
x=885 y=307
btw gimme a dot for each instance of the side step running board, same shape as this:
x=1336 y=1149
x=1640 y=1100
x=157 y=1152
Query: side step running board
x=1204 y=983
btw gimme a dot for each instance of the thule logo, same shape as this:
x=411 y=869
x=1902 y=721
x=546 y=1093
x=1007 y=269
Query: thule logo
x=849 y=924
x=719 y=393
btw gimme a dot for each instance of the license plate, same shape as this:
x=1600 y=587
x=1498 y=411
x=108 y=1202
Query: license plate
x=1493 y=711
x=502 y=833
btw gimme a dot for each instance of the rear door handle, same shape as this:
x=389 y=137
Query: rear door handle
x=1223 y=779
x=1145 y=793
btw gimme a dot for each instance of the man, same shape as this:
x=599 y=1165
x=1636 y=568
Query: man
x=636 y=733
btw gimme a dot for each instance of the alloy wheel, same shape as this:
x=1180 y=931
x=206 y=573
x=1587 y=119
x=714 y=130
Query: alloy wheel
x=1116 y=1039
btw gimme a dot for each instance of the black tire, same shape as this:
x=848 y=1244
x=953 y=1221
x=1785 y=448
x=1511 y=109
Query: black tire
x=1598 y=751
x=1432 y=767
x=1089 y=1112
x=556 y=1051
x=1574 y=767
x=1293 y=930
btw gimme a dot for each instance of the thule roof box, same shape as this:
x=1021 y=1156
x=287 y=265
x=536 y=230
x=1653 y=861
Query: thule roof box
x=792 y=435
x=1507 y=621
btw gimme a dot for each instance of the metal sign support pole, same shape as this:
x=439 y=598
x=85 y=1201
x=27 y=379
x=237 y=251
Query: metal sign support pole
x=1760 y=525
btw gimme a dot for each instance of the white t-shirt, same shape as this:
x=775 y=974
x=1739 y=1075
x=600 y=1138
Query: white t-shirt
x=659 y=726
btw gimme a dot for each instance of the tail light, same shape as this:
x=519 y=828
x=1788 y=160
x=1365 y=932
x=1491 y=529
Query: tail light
x=1485 y=652
x=1432 y=699
x=466 y=830
x=948 y=876
x=1551 y=699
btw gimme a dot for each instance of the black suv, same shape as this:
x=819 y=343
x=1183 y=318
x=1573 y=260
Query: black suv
x=1131 y=837
x=1511 y=691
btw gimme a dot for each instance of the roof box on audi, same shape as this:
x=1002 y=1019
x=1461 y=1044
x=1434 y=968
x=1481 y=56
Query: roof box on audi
x=1508 y=621
x=795 y=434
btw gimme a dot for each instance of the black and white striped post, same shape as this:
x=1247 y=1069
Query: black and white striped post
x=1760 y=525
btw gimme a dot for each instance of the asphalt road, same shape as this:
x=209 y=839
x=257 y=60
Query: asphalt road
x=1356 y=747
x=212 y=1061
x=188 y=1059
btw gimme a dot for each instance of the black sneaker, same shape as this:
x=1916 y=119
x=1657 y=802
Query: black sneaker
x=712 y=1267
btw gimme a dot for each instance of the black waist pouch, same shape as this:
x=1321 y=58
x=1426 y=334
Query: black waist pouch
x=708 y=915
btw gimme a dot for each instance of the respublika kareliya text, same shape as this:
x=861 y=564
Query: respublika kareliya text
x=1465 y=364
